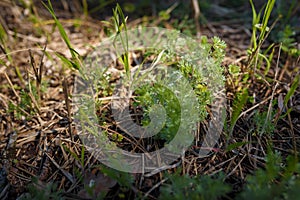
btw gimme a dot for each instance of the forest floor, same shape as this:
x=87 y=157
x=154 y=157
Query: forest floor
x=40 y=149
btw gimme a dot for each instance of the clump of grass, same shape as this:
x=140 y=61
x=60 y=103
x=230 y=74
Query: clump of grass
x=261 y=26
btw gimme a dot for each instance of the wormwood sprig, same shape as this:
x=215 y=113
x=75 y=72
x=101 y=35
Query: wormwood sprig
x=276 y=181
x=42 y=191
x=238 y=105
x=197 y=187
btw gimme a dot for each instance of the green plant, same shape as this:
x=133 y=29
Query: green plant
x=28 y=104
x=255 y=55
x=124 y=179
x=41 y=191
x=151 y=94
x=256 y=58
x=29 y=98
x=277 y=181
x=235 y=73
x=197 y=187
x=119 y=21
x=238 y=105
x=75 y=63
x=185 y=25
x=286 y=37
x=287 y=29
x=263 y=123
x=158 y=94
x=104 y=84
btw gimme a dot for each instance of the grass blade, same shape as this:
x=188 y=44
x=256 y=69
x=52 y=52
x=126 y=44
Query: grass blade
x=64 y=35
x=290 y=93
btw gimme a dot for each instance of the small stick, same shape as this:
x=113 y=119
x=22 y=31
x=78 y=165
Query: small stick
x=197 y=15
x=66 y=94
x=36 y=73
x=154 y=187
x=12 y=86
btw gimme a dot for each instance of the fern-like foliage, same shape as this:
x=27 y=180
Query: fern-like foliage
x=197 y=187
x=276 y=181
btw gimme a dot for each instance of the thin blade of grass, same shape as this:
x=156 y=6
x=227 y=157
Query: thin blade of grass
x=64 y=36
x=292 y=90
x=266 y=17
